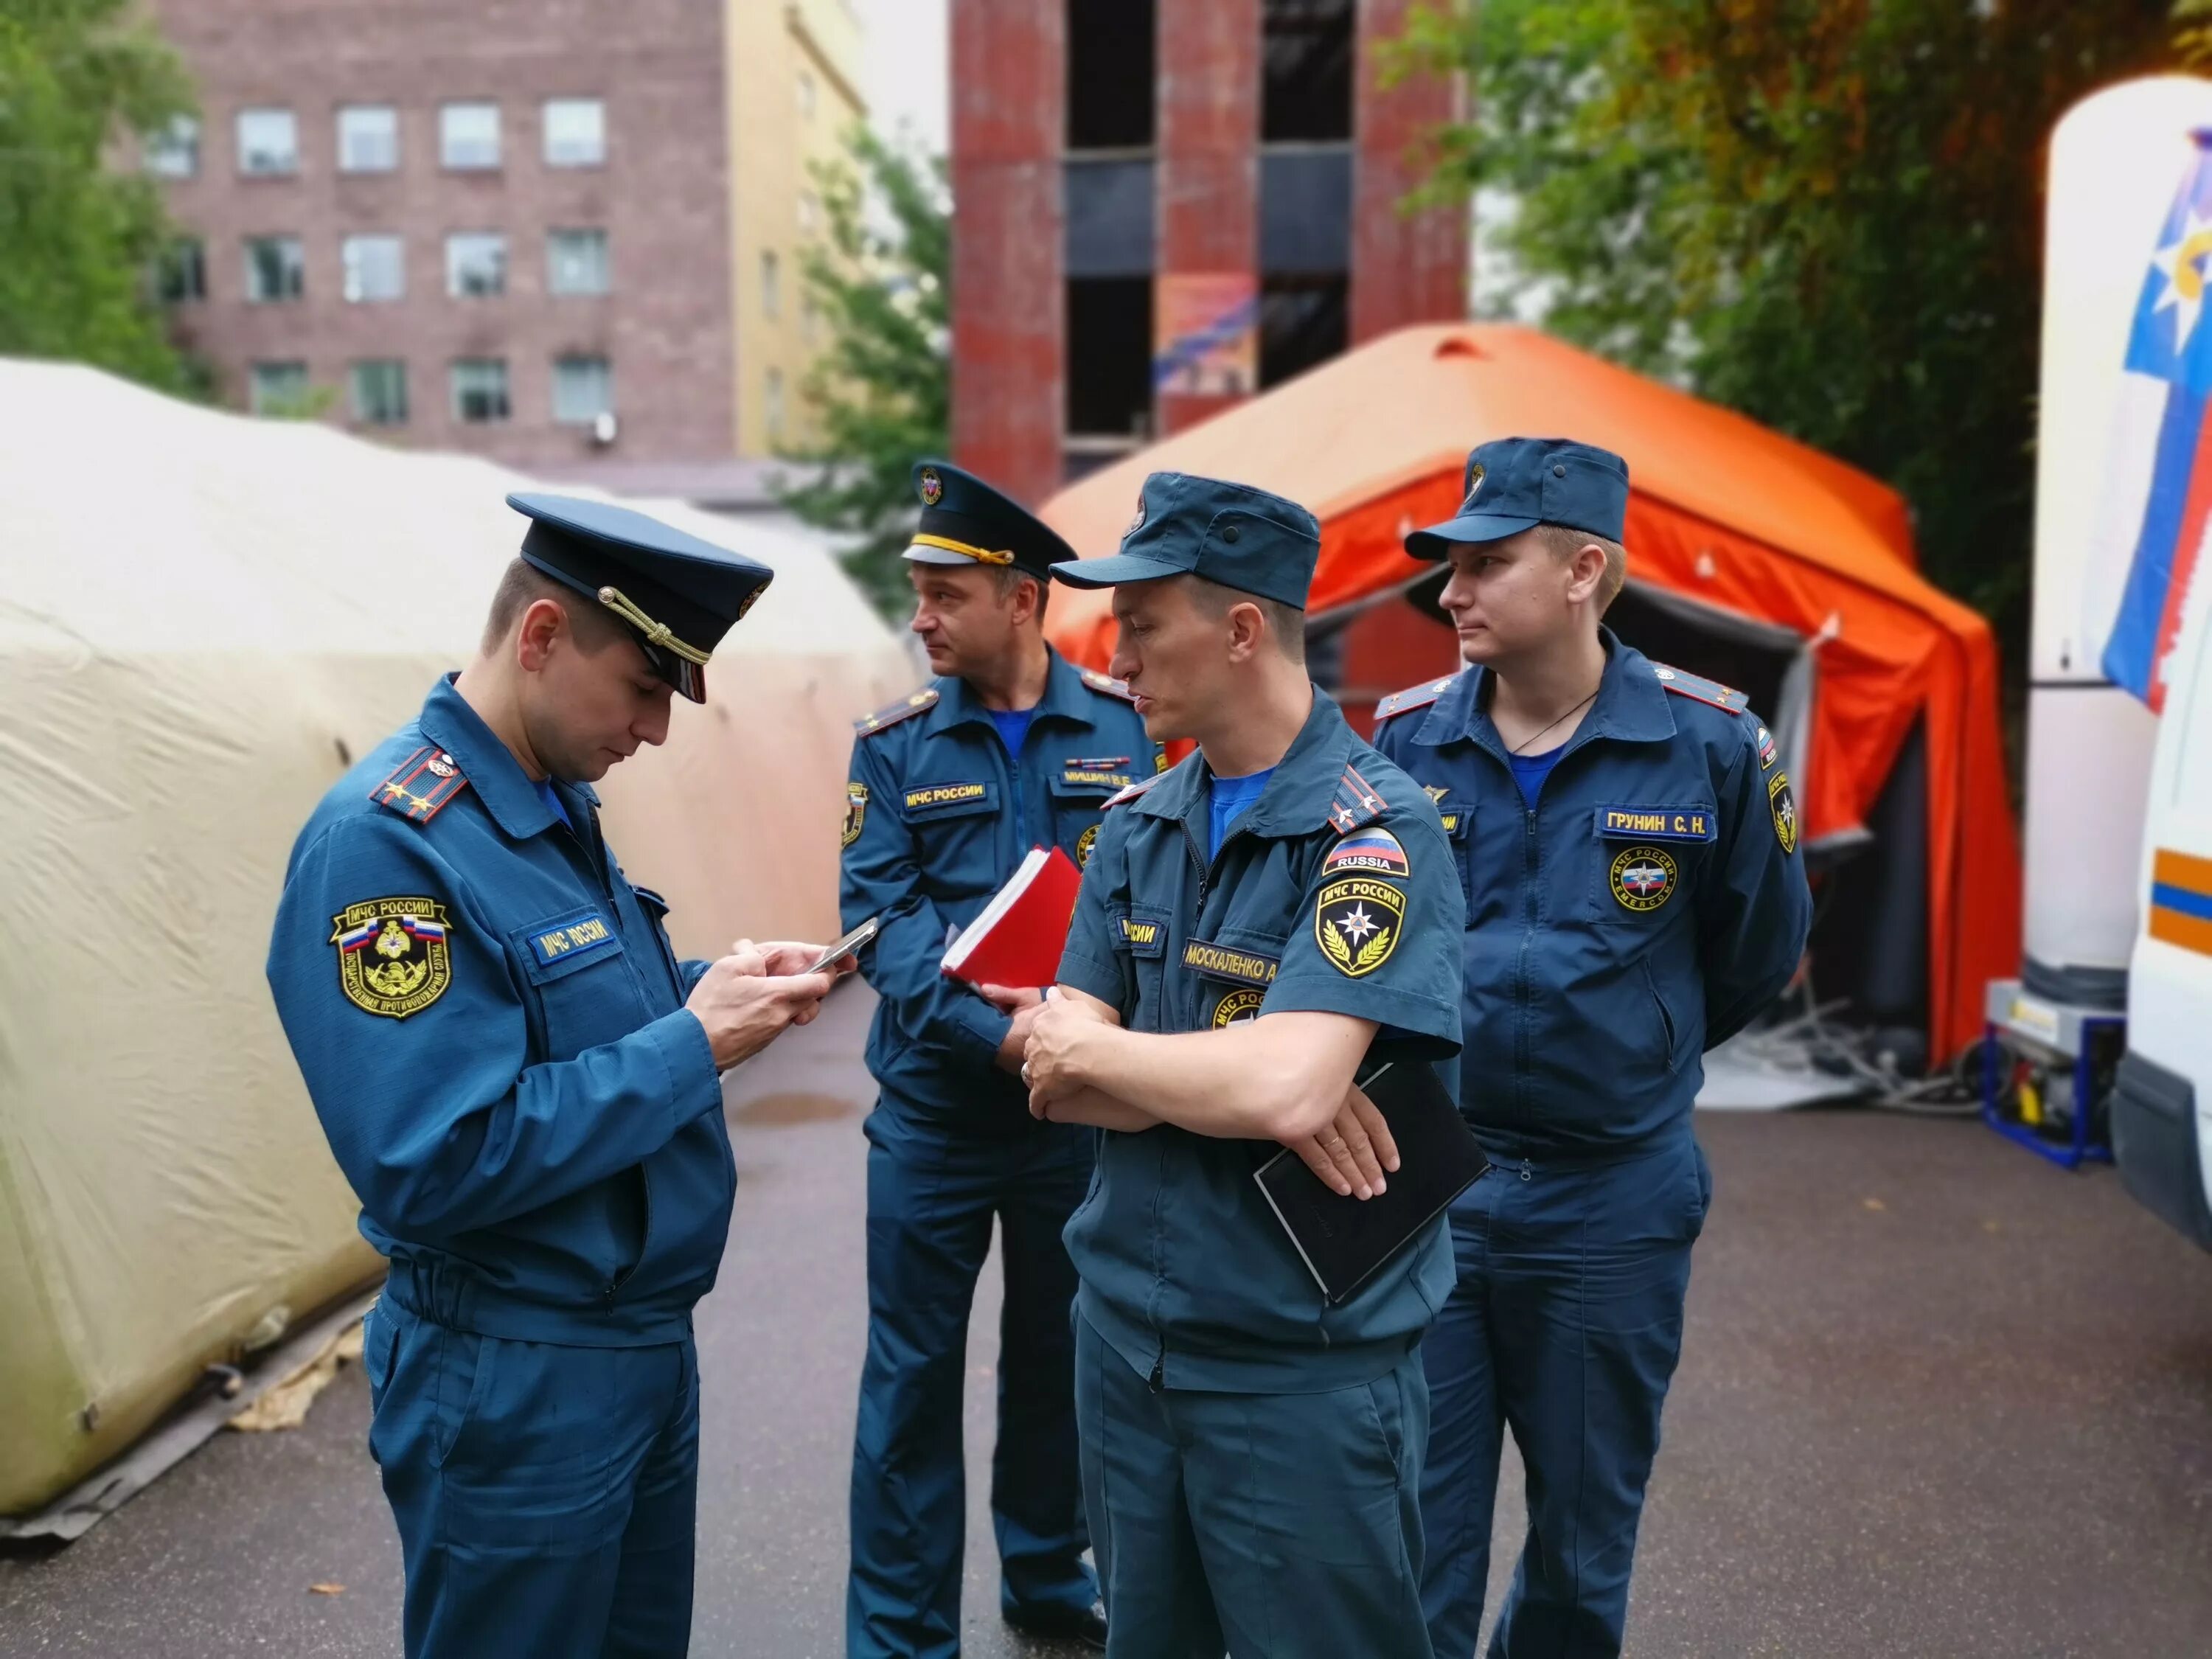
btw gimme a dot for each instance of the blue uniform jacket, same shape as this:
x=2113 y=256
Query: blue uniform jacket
x=1651 y=904
x=938 y=816
x=1334 y=893
x=491 y=1025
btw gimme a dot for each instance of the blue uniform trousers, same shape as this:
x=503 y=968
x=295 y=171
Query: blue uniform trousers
x=931 y=1201
x=1566 y=1324
x=1275 y=1526
x=545 y=1495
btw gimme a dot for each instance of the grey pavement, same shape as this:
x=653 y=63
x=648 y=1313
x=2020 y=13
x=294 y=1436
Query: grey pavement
x=1938 y=1399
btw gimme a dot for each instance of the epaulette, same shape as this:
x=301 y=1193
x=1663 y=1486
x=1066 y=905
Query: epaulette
x=1109 y=684
x=1356 y=804
x=1697 y=686
x=421 y=786
x=1413 y=697
x=905 y=708
x=1131 y=791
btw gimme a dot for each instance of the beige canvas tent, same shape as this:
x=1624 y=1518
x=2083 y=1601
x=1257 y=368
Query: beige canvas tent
x=203 y=620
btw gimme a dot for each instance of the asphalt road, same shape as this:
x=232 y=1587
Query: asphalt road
x=1938 y=1399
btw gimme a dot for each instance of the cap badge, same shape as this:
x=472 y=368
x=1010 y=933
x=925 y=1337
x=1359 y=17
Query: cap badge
x=933 y=487
x=1137 y=523
x=1474 y=476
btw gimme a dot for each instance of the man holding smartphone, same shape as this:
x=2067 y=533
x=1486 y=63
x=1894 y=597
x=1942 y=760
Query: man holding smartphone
x=1010 y=747
x=523 y=1084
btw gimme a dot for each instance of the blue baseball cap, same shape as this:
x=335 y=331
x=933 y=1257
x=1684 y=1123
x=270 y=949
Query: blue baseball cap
x=965 y=521
x=1513 y=484
x=1229 y=533
x=679 y=594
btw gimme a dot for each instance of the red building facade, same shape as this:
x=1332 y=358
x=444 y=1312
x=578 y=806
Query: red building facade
x=1161 y=208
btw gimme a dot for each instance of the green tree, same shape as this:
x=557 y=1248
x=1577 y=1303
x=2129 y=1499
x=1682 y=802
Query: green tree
x=80 y=80
x=880 y=281
x=1827 y=214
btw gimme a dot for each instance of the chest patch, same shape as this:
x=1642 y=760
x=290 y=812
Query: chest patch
x=573 y=938
x=1358 y=920
x=1377 y=850
x=1075 y=776
x=1220 y=962
x=1656 y=823
x=943 y=794
x=1645 y=879
x=1083 y=845
x=394 y=959
x=1238 y=1006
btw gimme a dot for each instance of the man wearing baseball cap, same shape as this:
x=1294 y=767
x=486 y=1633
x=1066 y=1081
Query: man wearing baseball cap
x=1628 y=844
x=1253 y=926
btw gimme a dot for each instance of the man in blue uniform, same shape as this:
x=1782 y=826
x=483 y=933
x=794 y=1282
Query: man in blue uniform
x=521 y=1081
x=1629 y=847
x=1253 y=926
x=1011 y=747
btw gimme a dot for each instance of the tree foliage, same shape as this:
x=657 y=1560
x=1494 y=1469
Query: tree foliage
x=1826 y=214
x=79 y=81
x=880 y=281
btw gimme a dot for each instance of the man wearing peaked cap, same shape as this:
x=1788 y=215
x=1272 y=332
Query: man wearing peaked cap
x=1008 y=747
x=522 y=1083
x=1251 y=929
x=1635 y=895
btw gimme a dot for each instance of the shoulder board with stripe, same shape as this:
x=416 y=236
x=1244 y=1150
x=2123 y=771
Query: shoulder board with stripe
x=1131 y=791
x=905 y=708
x=1109 y=684
x=421 y=785
x=1356 y=803
x=1414 y=697
x=1683 y=684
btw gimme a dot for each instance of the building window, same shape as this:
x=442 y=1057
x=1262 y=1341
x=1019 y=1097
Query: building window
x=771 y=285
x=181 y=273
x=575 y=132
x=476 y=265
x=368 y=138
x=279 y=388
x=468 y=137
x=805 y=96
x=268 y=142
x=480 y=390
x=1111 y=48
x=380 y=391
x=576 y=262
x=809 y=212
x=810 y=319
x=583 y=390
x=1303 y=322
x=375 y=268
x=174 y=151
x=1109 y=355
x=772 y=395
x=276 y=268
x=1307 y=51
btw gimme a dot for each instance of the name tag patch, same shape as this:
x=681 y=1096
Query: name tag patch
x=943 y=795
x=1081 y=777
x=1145 y=939
x=1657 y=822
x=572 y=938
x=1221 y=962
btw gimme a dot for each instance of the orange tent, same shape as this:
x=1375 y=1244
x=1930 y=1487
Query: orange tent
x=1734 y=531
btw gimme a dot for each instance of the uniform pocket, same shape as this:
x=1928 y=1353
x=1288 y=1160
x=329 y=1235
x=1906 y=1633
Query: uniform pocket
x=465 y=1362
x=1667 y=1035
x=379 y=1336
x=1700 y=1201
x=585 y=987
x=955 y=824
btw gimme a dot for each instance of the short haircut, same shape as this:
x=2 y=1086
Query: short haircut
x=1564 y=542
x=1007 y=579
x=1285 y=622
x=522 y=585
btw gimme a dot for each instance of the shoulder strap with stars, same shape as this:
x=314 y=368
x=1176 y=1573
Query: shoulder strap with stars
x=1131 y=791
x=421 y=785
x=1109 y=684
x=1683 y=684
x=1356 y=803
x=1413 y=697
x=905 y=708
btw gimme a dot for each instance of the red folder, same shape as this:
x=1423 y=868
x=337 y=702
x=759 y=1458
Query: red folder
x=1018 y=938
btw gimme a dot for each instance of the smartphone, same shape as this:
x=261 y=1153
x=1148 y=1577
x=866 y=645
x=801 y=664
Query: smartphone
x=845 y=946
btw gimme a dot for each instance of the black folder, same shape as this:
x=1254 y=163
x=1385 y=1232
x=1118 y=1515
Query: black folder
x=1343 y=1239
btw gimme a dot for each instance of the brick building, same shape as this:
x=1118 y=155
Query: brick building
x=566 y=234
x=1162 y=207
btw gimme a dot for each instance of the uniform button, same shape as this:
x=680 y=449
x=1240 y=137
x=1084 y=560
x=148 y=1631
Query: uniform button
x=1559 y=473
x=1229 y=534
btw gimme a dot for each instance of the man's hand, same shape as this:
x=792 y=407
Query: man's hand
x=1059 y=1034
x=1022 y=1005
x=745 y=1007
x=1351 y=1155
x=794 y=957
